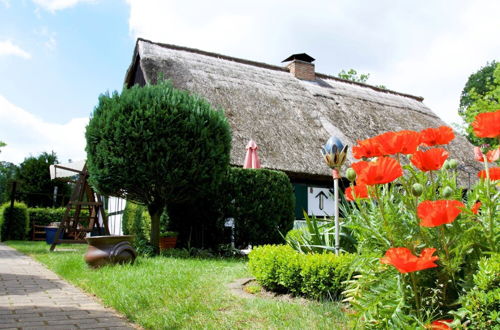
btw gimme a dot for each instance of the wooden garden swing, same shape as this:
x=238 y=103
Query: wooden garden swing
x=77 y=224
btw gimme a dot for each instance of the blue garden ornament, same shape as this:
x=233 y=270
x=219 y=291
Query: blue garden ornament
x=335 y=153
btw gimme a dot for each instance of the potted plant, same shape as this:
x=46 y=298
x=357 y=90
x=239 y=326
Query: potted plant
x=168 y=239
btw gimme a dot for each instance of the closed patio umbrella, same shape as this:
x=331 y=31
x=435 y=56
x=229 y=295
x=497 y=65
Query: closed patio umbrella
x=251 y=157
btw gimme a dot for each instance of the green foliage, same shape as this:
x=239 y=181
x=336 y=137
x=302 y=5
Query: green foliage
x=481 y=94
x=280 y=268
x=7 y=175
x=262 y=204
x=35 y=187
x=44 y=216
x=14 y=221
x=481 y=305
x=156 y=145
x=477 y=84
x=384 y=298
x=136 y=221
x=378 y=298
x=319 y=235
x=353 y=75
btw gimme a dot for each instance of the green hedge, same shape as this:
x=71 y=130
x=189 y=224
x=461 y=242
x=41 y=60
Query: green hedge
x=262 y=204
x=481 y=305
x=282 y=269
x=136 y=221
x=14 y=222
x=44 y=216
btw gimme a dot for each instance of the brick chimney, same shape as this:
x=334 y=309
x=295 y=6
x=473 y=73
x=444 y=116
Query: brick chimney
x=301 y=66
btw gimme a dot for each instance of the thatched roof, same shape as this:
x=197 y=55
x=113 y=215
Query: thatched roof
x=290 y=119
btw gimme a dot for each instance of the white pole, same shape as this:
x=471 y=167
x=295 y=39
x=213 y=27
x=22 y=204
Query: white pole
x=337 y=224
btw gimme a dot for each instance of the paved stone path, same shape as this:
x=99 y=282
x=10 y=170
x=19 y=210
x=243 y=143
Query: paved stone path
x=33 y=297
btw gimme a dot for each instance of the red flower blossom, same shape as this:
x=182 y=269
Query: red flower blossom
x=366 y=148
x=440 y=325
x=430 y=160
x=475 y=208
x=406 y=262
x=494 y=174
x=402 y=142
x=491 y=156
x=434 y=136
x=487 y=125
x=436 y=213
x=360 y=191
x=383 y=170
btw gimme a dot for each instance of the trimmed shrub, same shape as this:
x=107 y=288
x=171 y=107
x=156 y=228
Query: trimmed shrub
x=157 y=145
x=280 y=268
x=262 y=204
x=481 y=305
x=136 y=221
x=14 y=222
x=323 y=274
x=44 y=216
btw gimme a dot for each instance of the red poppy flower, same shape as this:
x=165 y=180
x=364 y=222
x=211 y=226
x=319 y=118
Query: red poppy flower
x=487 y=125
x=430 y=160
x=475 y=208
x=436 y=213
x=440 y=325
x=383 y=170
x=491 y=156
x=402 y=142
x=366 y=148
x=406 y=262
x=358 y=191
x=434 y=136
x=494 y=174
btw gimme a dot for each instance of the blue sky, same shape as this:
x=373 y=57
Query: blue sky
x=57 y=56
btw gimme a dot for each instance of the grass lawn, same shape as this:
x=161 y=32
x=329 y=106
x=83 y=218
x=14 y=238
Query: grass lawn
x=166 y=292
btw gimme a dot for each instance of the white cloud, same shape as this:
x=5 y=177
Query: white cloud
x=55 y=5
x=427 y=50
x=50 y=42
x=26 y=134
x=6 y=3
x=9 y=48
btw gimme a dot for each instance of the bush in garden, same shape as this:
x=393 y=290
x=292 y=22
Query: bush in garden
x=44 y=216
x=262 y=204
x=136 y=221
x=481 y=305
x=156 y=145
x=280 y=268
x=431 y=239
x=14 y=222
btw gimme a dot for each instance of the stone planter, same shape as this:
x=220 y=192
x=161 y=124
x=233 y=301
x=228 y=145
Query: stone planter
x=105 y=250
x=167 y=243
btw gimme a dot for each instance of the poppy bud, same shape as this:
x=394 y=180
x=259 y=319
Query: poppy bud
x=350 y=174
x=446 y=165
x=447 y=192
x=417 y=189
x=453 y=163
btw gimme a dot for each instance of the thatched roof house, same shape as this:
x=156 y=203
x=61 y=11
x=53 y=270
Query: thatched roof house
x=289 y=111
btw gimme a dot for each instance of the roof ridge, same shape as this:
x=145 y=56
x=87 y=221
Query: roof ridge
x=274 y=67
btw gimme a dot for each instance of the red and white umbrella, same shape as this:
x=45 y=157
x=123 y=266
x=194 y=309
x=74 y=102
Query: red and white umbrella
x=251 y=157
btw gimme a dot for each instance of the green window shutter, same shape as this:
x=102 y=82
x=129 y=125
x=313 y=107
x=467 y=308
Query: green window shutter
x=300 y=200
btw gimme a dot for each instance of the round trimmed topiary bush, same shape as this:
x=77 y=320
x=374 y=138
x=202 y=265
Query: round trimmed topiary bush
x=156 y=145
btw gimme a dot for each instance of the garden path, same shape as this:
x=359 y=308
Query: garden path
x=33 y=297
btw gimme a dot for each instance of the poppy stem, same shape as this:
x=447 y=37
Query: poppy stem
x=489 y=208
x=415 y=293
x=382 y=213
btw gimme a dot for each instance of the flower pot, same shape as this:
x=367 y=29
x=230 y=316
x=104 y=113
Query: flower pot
x=105 y=250
x=167 y=243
